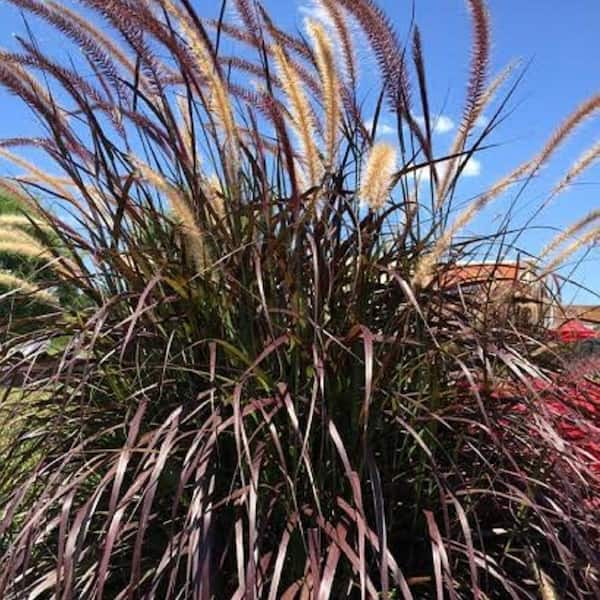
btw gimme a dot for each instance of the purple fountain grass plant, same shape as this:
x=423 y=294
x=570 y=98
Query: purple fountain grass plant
x=259 y=390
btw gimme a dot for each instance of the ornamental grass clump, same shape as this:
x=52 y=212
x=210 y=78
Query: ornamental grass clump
x=262 y=390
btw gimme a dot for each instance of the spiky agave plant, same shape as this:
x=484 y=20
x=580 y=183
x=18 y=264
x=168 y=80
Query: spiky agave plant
x=261 y=395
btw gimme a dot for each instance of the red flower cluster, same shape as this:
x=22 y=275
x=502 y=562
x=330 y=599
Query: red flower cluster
x=571 y=401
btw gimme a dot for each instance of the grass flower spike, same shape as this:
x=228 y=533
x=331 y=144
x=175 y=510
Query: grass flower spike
x=331 y=86
x=301 y=115
x=376 y=179
x=18 y=285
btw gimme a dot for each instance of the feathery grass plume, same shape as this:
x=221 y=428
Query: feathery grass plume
x=186 y=126
x=78 y=85
x=214 y=193
x=54 y=182
x=15 y=234
x=113 y=50
x=29 y=248
x=560 y=239
x=492 y=89
x=587 y=159
x=184 y=214
x=219 y=95
x=242 y=36
x=21 y=83
x=12 y=221
x=248 y=15
x=592 y=237
x=477 y=96
x=419 y=63
x=301 y=114
x=583 y=112
x=572 y=230
x=340 y=24
x=288 y=42
x=13 y=240
x=84 y=35
x=427 y=264
x=100 y=47
x=247 y=66
x=17 y=284
x=460 y=138
x=331 y=85
x=387 y=48
x=33 y=171
x=574 y=120
x=131 y=19
x=8 y=188
x=377 y=176
x=17 y=242
x=27 y=79
x=479 y=62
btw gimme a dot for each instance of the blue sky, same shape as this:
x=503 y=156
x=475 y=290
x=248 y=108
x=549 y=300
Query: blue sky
x=559 y=39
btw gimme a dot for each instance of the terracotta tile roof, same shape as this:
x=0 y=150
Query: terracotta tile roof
x=588 y=313
x=473 y=274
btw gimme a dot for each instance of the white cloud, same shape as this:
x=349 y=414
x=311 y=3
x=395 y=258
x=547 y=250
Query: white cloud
x=481 y=121
x=383 y=128
x=441 y=123
x=315 y=10
x=471 y=169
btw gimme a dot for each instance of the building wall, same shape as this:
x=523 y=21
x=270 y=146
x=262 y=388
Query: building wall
x=510 y=291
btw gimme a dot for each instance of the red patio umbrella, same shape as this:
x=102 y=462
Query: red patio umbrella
x=575 y=331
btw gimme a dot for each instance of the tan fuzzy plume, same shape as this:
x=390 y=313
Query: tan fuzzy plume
x=56 y=183
x=24 y=248
x=181 y=209
x=17 y=284
x=467 y=125
x=492 y=89
x=185 y=126
x=587 y=159
x=301 y=114
x=215 y=195
x=14 y=234
x=12 y=221
x=582 y=113
x=219 y=95
x=9 y=189
x=24 y=83
x=377 y=176
x=426 y=266
x=574 y=229
x=577 y=117
x=331 y=86
x=592 y=237
x=340 y=24
x=14 y=240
